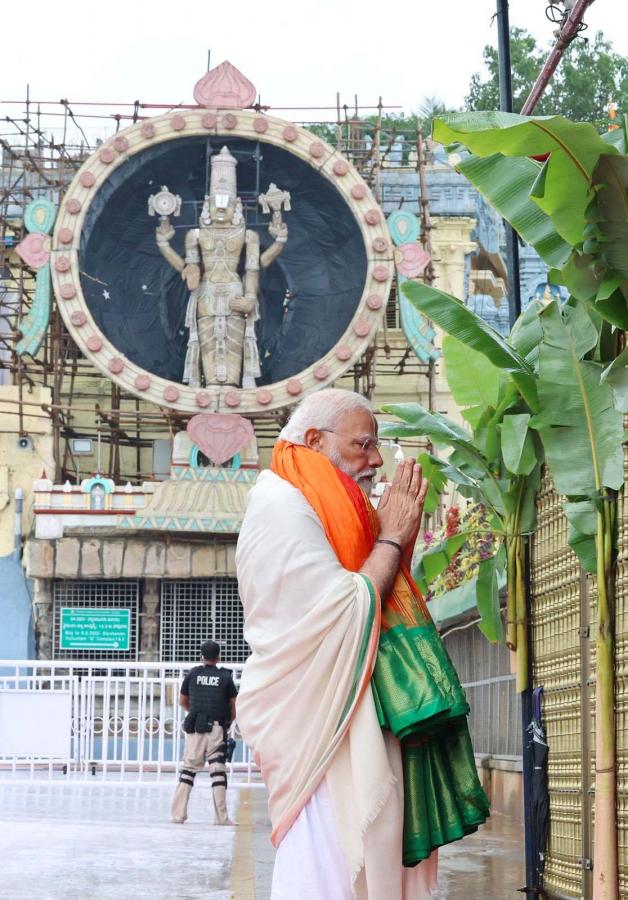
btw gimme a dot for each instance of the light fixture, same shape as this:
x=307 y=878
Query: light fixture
x=82 y=446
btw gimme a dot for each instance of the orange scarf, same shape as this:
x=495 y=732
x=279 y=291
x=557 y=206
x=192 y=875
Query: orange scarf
x=349 y=520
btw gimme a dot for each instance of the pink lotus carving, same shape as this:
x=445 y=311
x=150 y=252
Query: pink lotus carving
x=411 y=259
x=224 y=88
x=220 y=436
x=34 y=250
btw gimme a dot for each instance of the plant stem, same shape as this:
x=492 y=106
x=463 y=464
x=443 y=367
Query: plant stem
x=511 y=588
x=605 y=873
x=522 y=623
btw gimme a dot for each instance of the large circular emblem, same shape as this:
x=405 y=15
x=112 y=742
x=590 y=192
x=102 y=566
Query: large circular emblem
x=136 y=310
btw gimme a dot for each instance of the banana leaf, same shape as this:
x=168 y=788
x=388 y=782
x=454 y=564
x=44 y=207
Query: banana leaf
x=608 y=210
x=458 y=320
x=617 y=376
x=582 y=518
x=517 y=444
x=473 y=380
x=526 y=334
x=580 y=428
x=432 y=470
x=507 y=182
x=562 y=187
x=487 y=600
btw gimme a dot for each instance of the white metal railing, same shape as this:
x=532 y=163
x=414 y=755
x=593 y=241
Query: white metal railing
x=124 y=725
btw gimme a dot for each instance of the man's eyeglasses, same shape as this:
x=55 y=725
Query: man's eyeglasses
x=365 y=446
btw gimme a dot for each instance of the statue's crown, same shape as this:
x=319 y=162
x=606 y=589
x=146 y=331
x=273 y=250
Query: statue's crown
x=223 y=173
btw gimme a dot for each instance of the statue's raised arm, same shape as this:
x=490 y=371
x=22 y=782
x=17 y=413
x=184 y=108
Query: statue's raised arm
x=165 y=204
x=274 y=200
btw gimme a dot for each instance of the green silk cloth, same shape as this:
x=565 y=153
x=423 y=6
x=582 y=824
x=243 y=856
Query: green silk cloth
x=419 y=698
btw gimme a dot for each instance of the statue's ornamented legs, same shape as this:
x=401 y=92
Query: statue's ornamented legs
x=221 y=340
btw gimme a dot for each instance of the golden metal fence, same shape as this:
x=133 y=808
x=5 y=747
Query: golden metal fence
x=564 y=604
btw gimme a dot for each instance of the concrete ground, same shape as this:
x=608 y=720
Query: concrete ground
x=70 y=841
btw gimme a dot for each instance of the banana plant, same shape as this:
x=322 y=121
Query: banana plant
x=571 y=206
x=497 y=463
x=564 y=189
x=570 y=401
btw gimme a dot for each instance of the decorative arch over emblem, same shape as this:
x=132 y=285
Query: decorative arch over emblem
x=88 y=326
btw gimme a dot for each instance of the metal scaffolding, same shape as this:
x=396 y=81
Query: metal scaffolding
x=42 y=146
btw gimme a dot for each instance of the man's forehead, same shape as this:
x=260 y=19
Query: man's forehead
x=359 y=421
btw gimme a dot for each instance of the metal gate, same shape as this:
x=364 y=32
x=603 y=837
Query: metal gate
x=110 y=594
x=123 y=724
x=194 y=611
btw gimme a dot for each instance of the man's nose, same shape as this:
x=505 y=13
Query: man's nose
x=375 y=458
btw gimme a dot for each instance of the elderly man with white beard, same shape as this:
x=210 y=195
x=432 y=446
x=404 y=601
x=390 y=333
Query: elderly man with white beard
x=349 y=701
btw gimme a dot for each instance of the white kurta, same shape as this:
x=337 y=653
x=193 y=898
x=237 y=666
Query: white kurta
x=309 y=864
x=304 y=618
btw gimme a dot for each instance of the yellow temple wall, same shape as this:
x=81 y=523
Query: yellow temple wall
x=21 y=465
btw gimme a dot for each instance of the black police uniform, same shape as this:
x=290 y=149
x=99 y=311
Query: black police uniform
x=210 y=689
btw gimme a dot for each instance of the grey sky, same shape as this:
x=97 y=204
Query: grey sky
x=296 y=53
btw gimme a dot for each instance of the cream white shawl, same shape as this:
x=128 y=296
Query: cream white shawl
x=305 y=620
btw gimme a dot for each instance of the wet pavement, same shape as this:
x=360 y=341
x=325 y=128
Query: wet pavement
x=69 y=841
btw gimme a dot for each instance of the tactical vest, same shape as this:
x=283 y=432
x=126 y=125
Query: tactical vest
x=209 y=691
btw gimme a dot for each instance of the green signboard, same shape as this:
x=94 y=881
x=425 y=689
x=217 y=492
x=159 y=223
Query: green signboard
x=95 y=629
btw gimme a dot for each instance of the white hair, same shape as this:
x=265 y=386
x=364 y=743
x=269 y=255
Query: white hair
x=323 y=409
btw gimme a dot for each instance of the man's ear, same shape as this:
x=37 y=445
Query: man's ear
x=312 y=439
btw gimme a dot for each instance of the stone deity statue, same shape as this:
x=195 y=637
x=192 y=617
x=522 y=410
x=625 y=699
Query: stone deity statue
x=223 y=307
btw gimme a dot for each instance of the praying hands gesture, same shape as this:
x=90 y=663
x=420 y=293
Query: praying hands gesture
x=400 y=509
x=400 y=512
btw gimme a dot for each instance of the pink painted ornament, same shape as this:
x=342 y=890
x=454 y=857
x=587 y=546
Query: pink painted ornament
x=411 y=259
x=203 y=399
x=209 y=120
x=62 y=264
x=372 y=216
x=361 y=327
x=344 y=352
x=321 y=372
x=94 y=343
x=224 y=87
x=121 y=144
x=232 y=398
x=374 y=301
x=87 y=179
x=66 y=235
x=341 y=167
x=290 y=133
x=78 y=318
x=229 y=121
x=148 y=130
x=380 y=273
x=68 y=291
x=317 y=150
x=263 y=396
x=260 y=125
x=106 y=155
x=177 y=123
x=115 y=365
x=171 y=393
x=142 y=382
x=294 y=387
x=34 y=250
x=73 y=206
x=358 y=191
x=380 y=245
x=220 y=436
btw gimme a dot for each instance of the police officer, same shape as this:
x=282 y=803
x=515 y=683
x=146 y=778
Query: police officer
x=208 y=694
